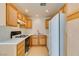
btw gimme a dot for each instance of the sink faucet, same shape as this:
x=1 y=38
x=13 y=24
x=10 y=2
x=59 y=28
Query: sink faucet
x=38 y=32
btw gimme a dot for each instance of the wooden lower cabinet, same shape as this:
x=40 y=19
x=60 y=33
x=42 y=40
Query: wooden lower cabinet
x=36 y=40
x=21 y=49
x=42 y=39
x=11 y=15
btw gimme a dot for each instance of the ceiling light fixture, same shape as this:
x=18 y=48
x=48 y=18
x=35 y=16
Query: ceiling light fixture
x=37 y=15
x=26 y=11
x=47 y=11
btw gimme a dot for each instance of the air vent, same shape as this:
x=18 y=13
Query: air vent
x=42 y=4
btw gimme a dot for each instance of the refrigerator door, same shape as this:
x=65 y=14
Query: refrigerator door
x=56 y=35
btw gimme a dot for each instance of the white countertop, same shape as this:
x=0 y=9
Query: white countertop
x=13 y=40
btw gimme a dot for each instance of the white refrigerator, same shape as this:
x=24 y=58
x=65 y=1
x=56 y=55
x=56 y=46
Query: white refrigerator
x=56 y=35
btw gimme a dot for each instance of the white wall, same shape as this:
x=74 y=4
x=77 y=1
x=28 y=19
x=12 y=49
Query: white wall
x=73 y=37
x=2 y=14
x=38 y=24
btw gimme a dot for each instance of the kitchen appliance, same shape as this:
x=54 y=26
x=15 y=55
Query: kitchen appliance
x=27 y=44
x=14 y=33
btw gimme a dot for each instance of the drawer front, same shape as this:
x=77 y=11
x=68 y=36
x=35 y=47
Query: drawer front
x=21 y=48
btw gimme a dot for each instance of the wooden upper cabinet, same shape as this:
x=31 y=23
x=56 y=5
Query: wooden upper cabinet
x=14 y=15
x=29 y=23
x=19 y=16
x=11 y=16
x=24 y=19
x=38 y=40
x=71 y=8
x=46 y=24
x=26 y=24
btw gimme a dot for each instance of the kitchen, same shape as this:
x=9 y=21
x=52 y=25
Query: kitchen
x=24 y=28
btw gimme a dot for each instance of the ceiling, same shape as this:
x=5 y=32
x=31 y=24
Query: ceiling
x=35 y=10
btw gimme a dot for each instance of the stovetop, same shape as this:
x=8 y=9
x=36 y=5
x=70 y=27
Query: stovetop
x=21 y=36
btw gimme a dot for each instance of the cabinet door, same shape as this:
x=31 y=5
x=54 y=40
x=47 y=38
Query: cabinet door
x=34 y=40
x=19 y=16
x=22 y=25
x=11 y=16
x=46 y=24
x=21 y=49
x=26 y=24
x=42 y=40
x=29 y=23
x=25 y=21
